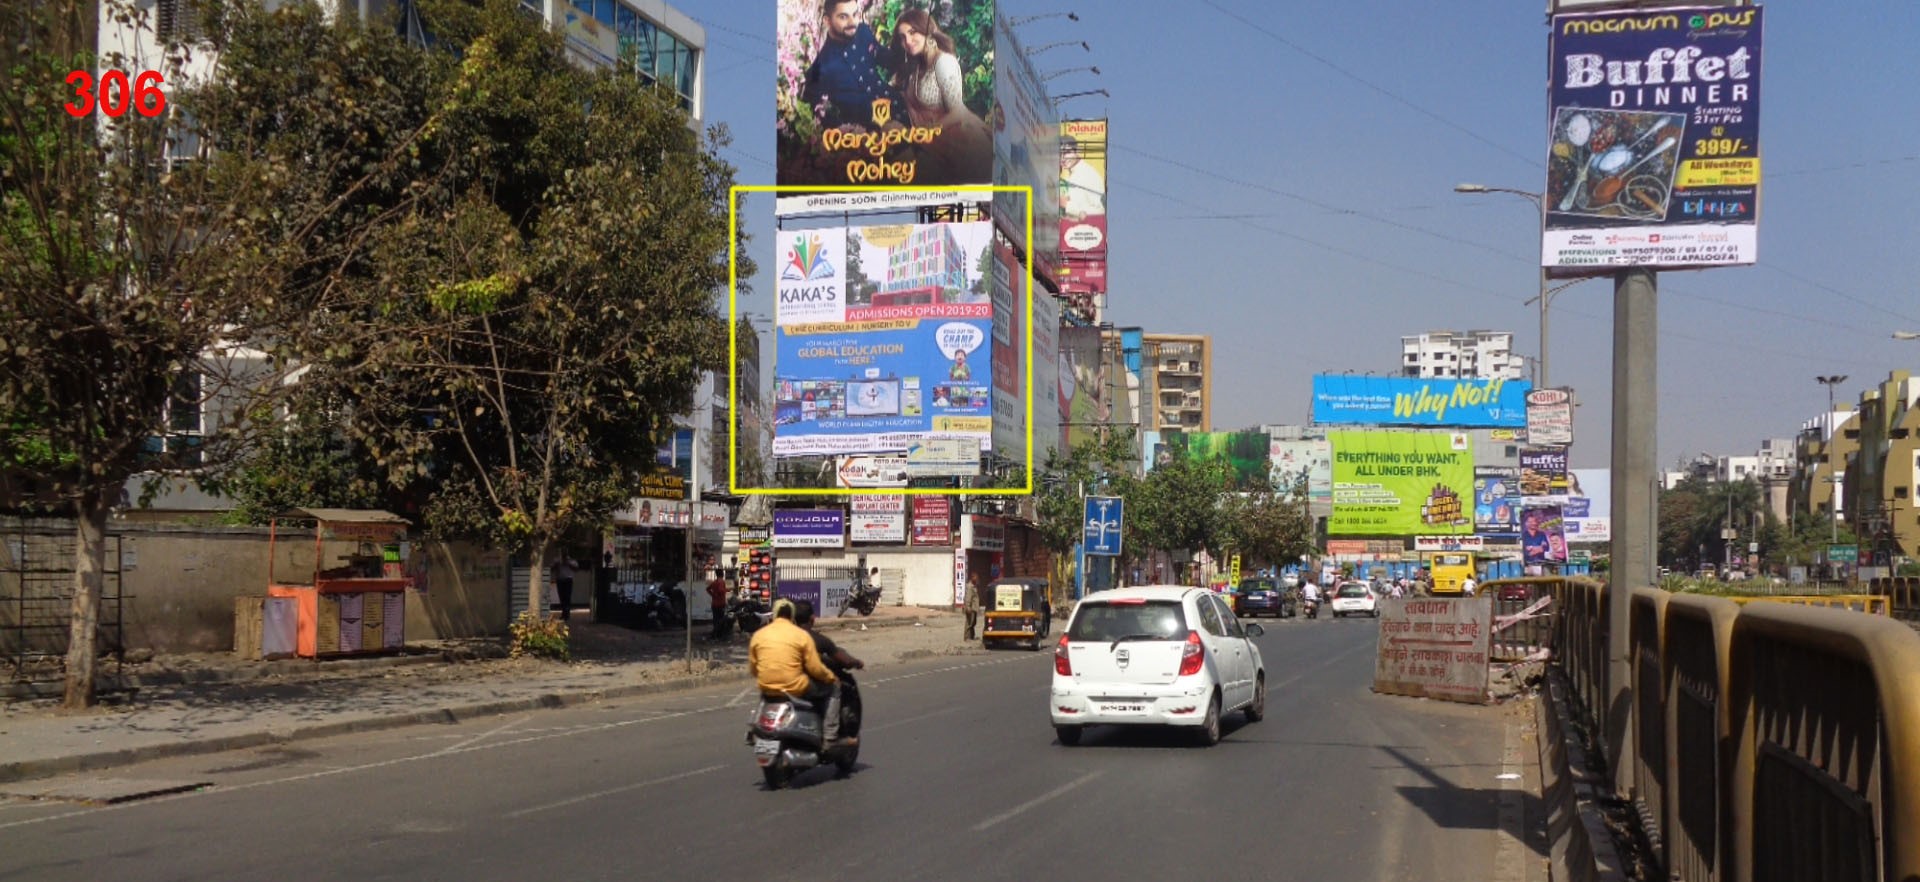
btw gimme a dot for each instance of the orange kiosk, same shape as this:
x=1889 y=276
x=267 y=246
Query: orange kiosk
x=358 y=605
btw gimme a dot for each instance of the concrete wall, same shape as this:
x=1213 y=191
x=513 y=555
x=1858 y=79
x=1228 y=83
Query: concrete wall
x=925 y=575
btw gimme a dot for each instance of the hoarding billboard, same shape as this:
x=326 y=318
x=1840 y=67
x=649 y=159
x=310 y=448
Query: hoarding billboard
x=1026 y=153
x=1309 y=460
x=1401 y=483
x=1411 y=401
x=1541 y=538
x=932 y=520
x=1654 y=139
x=1587 y=514
x=907 y=359
x=809 y=528
x=1083 y=206
x=1496 y=500
x=1046 y=375
x=1009 y=326
x=1550 y=416
x=1543 y=471
x=1082 y=407
x=1248 y=453
x=856 y=106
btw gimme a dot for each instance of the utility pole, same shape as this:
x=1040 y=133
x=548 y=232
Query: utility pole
x=1636 y=308
x=1833 y=484
x=693 y=529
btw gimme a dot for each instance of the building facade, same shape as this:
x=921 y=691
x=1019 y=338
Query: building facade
x=1821 y=452
x=1884 y=470
x=1181 y=368
x=1486 y=355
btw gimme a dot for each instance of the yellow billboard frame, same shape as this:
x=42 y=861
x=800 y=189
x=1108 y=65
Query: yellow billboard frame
x=733 y=345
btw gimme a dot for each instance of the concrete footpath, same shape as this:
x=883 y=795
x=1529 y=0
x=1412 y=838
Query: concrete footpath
x=214 y=706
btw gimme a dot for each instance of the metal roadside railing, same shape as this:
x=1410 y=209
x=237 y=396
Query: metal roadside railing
x=1867 y=603
x=1902 y=594
x=1775 y=740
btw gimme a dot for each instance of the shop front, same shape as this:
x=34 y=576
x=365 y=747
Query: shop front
x=647 y=554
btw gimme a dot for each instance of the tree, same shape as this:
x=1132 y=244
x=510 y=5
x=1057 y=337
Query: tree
x=1176 y=507
x=1266 y=526
x=128 y=282
x=539 y=295
x=1097 y=466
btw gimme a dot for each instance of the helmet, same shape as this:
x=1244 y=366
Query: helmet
x=783 y=609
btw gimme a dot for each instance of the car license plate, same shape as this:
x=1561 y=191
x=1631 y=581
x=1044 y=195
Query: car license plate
x=1123 y=708
x=766 y=747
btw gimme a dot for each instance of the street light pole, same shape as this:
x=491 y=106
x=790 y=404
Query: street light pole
x=1545 y=294
x=1833 y=489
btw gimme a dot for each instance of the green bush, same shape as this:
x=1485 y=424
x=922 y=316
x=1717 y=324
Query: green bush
x=538 y=636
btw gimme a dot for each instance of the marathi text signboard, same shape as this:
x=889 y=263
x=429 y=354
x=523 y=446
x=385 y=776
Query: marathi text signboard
x=889 y=348
x=1654 y=156
x=1409 y=401
x=1434 y=648
x=809 y=528
x=1550 y=417
x=1401 y=483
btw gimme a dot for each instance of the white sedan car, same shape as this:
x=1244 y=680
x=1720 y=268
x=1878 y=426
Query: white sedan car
x=1355 y=599
x=1163 y=655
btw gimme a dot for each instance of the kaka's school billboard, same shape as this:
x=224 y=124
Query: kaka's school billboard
x=1654 y=139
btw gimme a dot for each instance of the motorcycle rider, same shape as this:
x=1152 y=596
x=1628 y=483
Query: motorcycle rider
x=837 y=660
x=785 y=661
x=1311 y=592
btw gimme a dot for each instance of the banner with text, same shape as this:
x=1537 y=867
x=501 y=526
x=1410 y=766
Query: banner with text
x=1401 y=483
x=1410 y=401
x=1434 y=648
x=1654 y=146
x=1306 y=462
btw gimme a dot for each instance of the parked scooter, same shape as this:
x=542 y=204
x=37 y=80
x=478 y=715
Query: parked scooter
x=788 y=737
x=749 y=614
x=865 y=595
x=657 y=610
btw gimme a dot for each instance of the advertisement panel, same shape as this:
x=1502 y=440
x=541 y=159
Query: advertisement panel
x=1401 y=483
x=1009 y=343
x=906 y=360
x=942 y=457
x=1550 y=417
x=1081 y=406
x=1248 y=453
x=877 y=527
x=932 y=520
x=1543 y=471
x=1587 y=514
x=1026 y=153
x=983 y=533
x=1411 y=401
x=891 y=503
x=1309 y=460
x=1046 y=375
x=1654 y=145
x=1542 y=540
x=1496 y=501
x=809 y=528
x=1083 y=207
x=857 y=105
x=1434 y=648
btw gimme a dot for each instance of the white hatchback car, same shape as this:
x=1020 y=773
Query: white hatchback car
x=1355 y=599
x=1164 y=655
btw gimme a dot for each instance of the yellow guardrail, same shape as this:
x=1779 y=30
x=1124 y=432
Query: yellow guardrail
x=1902 y=594
x=1775 y=740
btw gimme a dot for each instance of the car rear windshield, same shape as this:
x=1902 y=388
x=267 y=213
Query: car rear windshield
x=1105 y=622
x=1251 y=585
x=1353 y=591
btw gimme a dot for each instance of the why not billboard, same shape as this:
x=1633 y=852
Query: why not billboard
x=906 y=354
x=854 y=107
x=1654 y=139
x=1411 y=401
x=1389 y=483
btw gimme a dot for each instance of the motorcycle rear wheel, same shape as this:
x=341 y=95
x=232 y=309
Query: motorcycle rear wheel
x=777 y=775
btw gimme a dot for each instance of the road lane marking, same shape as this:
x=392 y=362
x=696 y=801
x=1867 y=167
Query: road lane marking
x=741 y=698
x=584 y=797
x=484 y=735
x=1055 y=793
x=653 y=717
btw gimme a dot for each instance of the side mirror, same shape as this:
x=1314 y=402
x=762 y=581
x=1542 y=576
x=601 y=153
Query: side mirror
x=1254 y=630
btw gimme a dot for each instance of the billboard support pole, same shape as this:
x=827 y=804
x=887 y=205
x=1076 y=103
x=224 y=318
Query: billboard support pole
x=1636 y=308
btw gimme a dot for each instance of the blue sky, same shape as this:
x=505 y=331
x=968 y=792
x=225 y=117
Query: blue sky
x=1229 y=143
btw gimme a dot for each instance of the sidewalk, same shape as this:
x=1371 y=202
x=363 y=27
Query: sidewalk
x=206 y=704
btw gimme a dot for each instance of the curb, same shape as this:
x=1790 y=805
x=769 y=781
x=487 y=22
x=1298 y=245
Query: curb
x=30 y=769
x=1579 y=847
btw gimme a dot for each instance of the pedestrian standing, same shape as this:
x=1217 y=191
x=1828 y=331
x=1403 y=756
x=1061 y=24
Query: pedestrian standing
x=717 y=596
x=971 y=608
x=1468 y=585
x=563 y=572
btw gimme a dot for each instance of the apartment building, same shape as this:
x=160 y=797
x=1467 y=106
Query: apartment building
x=1485 y=355
x=1181 y=368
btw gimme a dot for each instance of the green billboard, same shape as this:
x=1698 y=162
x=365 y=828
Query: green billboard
x=1247 y=453
x=1401 y=483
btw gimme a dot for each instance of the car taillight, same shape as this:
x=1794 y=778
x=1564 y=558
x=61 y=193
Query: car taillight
x=1061 y=664
x=1192 y=655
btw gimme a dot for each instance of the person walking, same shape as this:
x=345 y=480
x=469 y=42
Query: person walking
x=717 y=598
x=971 y=608
x=563 y=572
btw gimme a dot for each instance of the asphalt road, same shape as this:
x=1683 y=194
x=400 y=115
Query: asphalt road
x=960 y=778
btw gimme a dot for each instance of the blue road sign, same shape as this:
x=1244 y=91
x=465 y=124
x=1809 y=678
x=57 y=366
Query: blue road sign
x=1100 y=530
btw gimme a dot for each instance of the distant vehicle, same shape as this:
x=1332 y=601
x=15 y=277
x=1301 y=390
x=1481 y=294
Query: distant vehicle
x=1355 y=599
x=1261 y=597
x=1450 y=570
x=1290 y=579
x=1158 y=655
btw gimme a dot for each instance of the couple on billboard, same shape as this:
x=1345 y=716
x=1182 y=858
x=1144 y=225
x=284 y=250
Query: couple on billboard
x=856 y=85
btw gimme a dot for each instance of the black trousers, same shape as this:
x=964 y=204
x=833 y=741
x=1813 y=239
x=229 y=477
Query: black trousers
x=722 y=623
x=564 y=588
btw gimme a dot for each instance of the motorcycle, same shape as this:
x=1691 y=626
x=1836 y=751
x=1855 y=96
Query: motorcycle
x=657 y=610
x=787 y=736
x=1313 y=608
x=749 y=614
x=864 y=596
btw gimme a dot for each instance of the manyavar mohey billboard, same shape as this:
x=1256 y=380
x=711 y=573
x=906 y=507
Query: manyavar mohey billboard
x=1654 y=140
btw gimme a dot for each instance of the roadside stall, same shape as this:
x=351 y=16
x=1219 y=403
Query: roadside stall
x=311 y=609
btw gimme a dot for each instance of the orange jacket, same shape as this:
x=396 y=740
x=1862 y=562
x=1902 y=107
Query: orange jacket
x=782 y=656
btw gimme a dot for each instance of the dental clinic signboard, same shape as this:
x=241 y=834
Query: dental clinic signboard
x=1654 y=156
x=1409 y=401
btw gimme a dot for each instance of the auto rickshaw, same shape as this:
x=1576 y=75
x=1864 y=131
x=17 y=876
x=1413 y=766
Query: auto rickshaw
x=1017 y=610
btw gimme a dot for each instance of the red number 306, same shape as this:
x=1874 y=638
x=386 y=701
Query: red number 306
x=144 y=95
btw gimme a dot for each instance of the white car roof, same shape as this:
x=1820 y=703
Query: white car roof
x=1142 y=592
